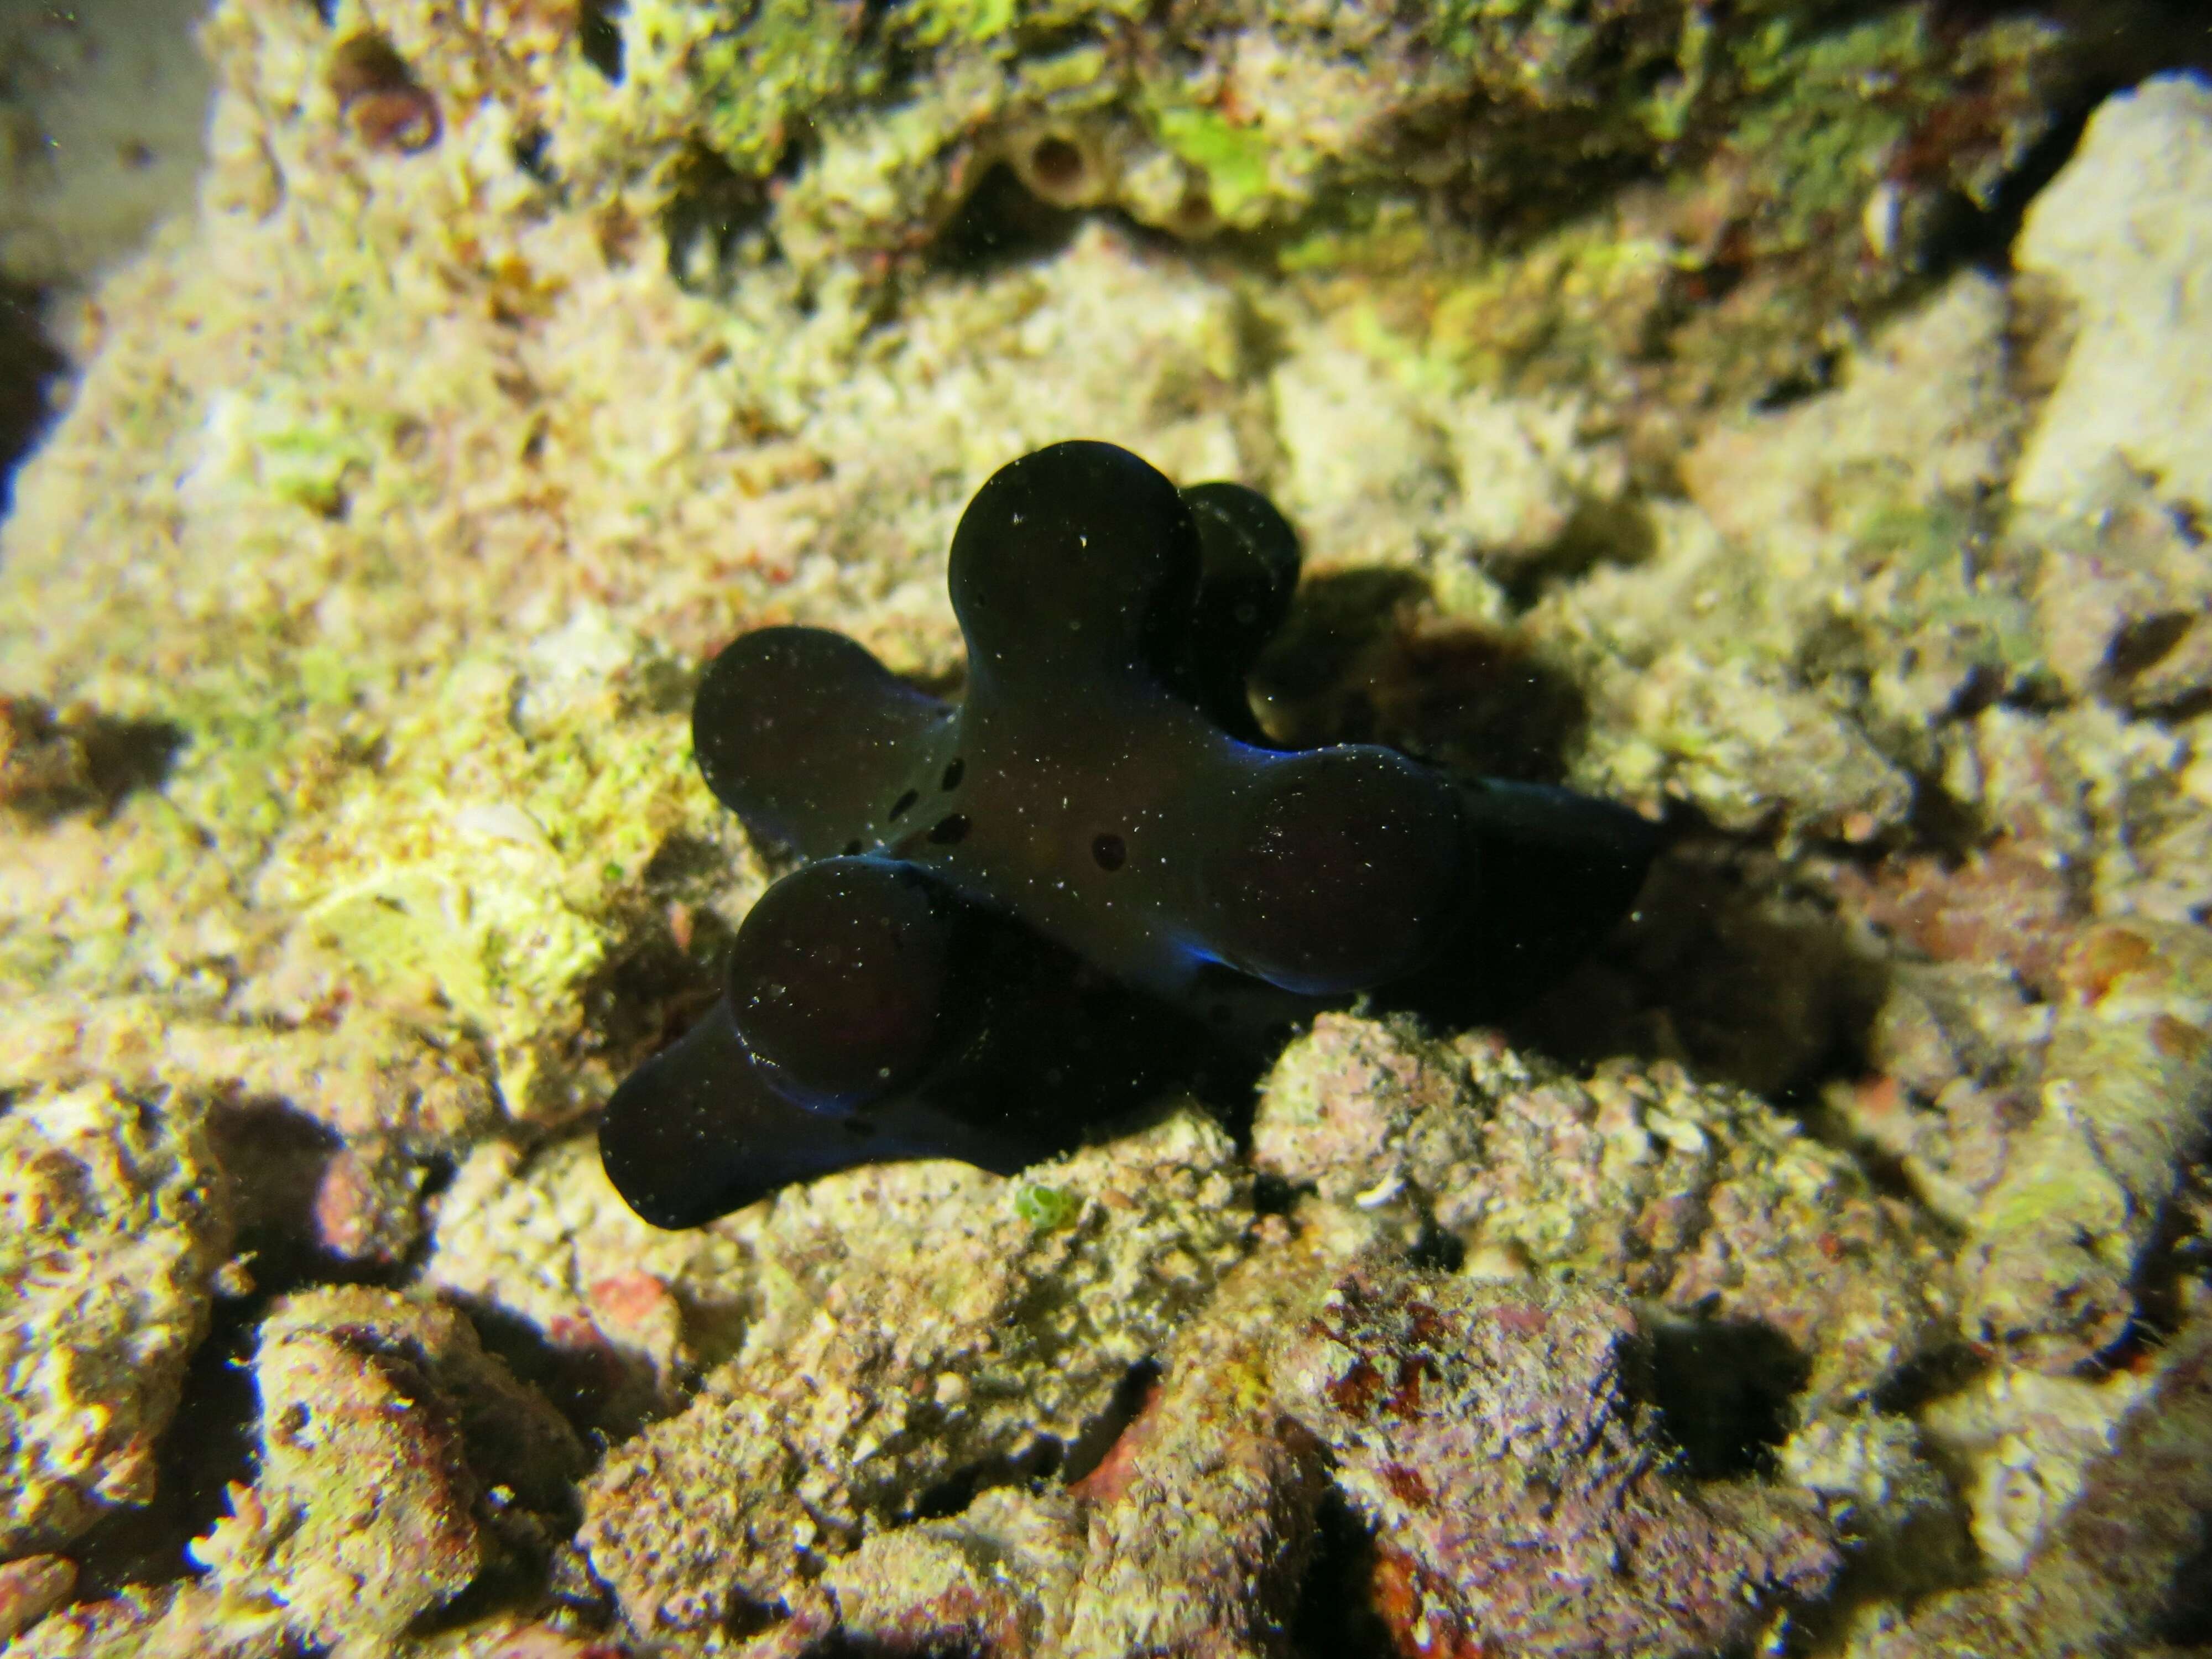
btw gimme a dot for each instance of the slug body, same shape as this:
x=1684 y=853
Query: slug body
x=1003 y=895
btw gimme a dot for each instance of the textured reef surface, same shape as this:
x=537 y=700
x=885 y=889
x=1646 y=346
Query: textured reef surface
x=1787 y=421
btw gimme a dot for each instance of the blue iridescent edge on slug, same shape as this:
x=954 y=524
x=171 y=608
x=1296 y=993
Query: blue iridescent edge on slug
x=1018 y=912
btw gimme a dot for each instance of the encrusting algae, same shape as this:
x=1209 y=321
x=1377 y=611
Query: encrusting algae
x=1820 y=1270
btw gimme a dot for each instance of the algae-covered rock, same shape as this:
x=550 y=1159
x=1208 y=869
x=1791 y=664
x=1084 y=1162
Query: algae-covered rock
x=1800 y=624
x=1203 y=1511
x=996 y=1578
x=2026 y=1441
x=921 y=1322
x=634 y=1314
x=2054 y=1244
x=113 y=1223
x=398 y=1461
x=2045 y=1099
x=1702 y=1199
x=2102 y=1579
x=31 y=1587
x=829 y=134
x=1486 y=1434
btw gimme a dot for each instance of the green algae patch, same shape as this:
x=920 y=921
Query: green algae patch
x=1361 y=232
x=1047 y=1207
x=1574 y=302
x=1830 y=115
x=787 y=58
x=1567 y=310
x=1082 y=77
x=1833 y=116
x=938 y=20
x=1801 y=172
x=490 y=864
x=252 y=743
x=1930 y=552
x=1235 y=161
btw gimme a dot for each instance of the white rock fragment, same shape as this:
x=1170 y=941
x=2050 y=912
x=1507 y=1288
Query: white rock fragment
x=2126 y=230
x=1385 y=464
x=546 y=1241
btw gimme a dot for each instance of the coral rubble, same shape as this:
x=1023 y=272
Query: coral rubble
x=926 y=1335
x=112 y=1225
x=1485 y=1432
x=397 y=1463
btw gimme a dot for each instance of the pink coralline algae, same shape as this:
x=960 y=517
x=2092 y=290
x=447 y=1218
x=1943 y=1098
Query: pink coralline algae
x=1699 y=1197
x=1520 y=1505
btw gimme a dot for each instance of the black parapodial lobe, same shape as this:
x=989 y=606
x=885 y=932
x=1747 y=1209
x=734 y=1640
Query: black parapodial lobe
x=836 y=980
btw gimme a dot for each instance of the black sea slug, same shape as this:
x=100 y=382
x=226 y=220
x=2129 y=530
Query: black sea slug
x=1020 y=911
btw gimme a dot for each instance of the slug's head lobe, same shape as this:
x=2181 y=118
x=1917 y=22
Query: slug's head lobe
x=1075 y=562
x=1249 y=570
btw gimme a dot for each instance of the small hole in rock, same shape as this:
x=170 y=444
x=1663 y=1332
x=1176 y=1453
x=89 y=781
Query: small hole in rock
x=1002 y=223
x=1438 y=1251
x=899 y=806
x=949 y=829
x=710 y=212
x=531 y=152
x=1109 y=849
x=134 y=1547
x=1056 y=164
x=952 y=775
x=1723 y=1389
x=1345 y=1589
x=852 y=850
x=1137 y=1389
